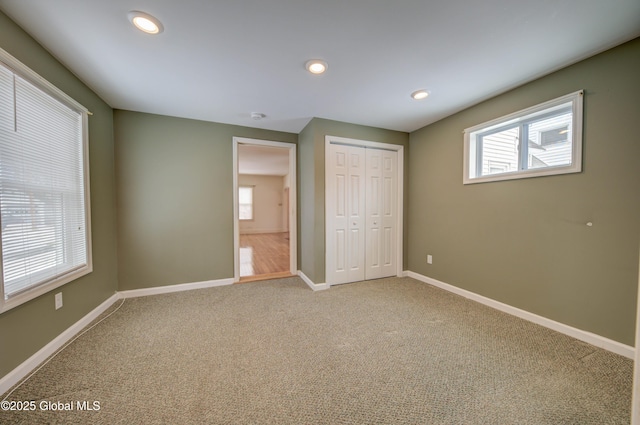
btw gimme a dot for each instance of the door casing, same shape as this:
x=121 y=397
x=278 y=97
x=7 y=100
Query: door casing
x=293 y=237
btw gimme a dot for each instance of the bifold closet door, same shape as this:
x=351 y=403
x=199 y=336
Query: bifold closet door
x=346 y=218
x=381 y=210
x=361 y=220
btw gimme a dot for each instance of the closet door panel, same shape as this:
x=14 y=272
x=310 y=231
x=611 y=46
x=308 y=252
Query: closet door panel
x=361 y=213
x=345 y=211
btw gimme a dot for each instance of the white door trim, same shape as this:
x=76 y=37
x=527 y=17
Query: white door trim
x=328 y=140
x=293 y=237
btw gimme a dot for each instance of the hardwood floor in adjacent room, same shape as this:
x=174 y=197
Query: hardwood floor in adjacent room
x=264 y=256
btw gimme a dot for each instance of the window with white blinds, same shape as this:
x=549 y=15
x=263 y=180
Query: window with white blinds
x=43 y=186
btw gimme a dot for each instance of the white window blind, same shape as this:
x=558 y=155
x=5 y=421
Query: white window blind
x=43 y=210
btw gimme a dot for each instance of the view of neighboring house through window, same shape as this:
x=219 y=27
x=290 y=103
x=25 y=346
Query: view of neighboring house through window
x=245 y=202
x=542 y=140
x=43 y=186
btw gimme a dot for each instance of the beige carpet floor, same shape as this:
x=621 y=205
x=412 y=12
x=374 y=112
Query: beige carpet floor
x=390 y=351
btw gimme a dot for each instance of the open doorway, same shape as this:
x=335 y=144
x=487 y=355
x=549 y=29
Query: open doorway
x=264 y=209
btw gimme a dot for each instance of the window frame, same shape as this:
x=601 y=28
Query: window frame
x=24 y=72
x=252 y=202
x=521 y=119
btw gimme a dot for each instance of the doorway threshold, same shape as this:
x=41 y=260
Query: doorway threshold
x=268 y=276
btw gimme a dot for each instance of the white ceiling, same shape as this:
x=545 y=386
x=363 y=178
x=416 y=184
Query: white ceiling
x=220 y=60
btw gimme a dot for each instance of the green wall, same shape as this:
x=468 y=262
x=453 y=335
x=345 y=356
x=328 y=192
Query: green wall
x=525 y=242
x=175 y=198
x=311 y=255
x=306 y=202
x=30 y=326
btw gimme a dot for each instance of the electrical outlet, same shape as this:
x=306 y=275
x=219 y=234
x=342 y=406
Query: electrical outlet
x=429 y=259
x=58 y=298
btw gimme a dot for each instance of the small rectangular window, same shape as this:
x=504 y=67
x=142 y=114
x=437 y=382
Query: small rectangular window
x=44 y=203
x=245 y=202
x=542 y=140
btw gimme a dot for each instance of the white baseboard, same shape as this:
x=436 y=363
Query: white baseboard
x=13 y=377
x=134 y=293
x=588 y=337
x=314 y=286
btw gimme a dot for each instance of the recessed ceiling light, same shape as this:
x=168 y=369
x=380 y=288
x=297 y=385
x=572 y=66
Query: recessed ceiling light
x=420 y=94
x=316 y=66
x=257 y=116
x=145 y=22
